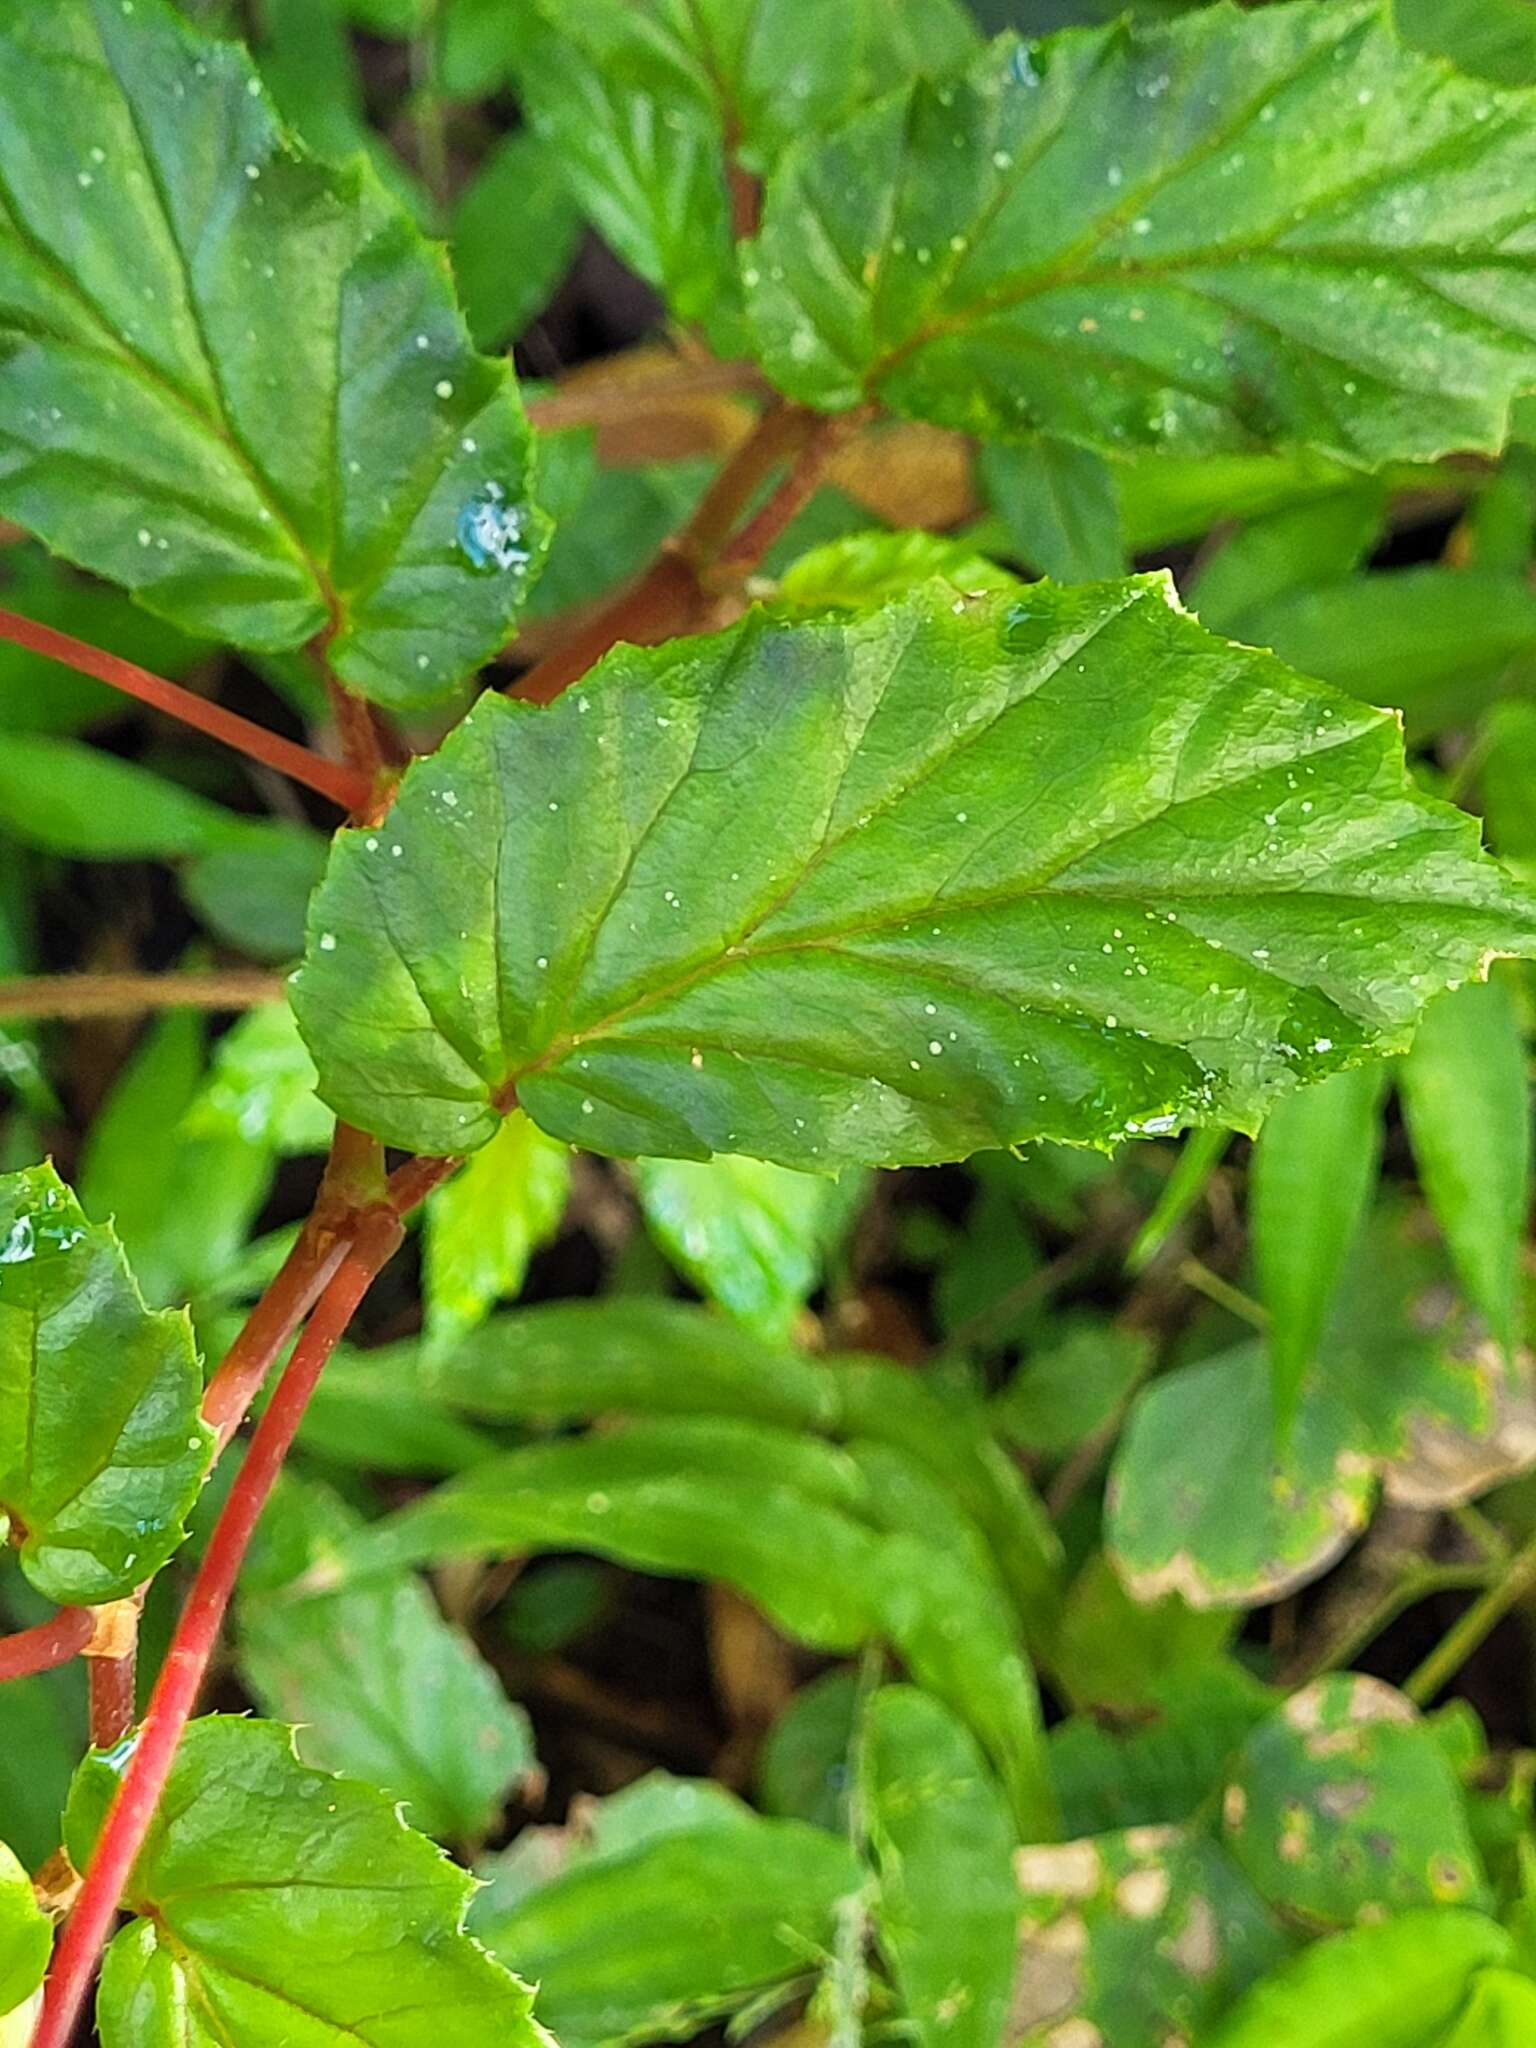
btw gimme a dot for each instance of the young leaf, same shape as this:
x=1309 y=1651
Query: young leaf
x=946 y=1908
x=26 y=1934
x=1314 y=1172
x=650 y=1939
x=261 y=1087
x=753 y=1237
x=101 y=1448
x=280 y=1904
x=1501 y=2012
x=1062 y=1395
x=1241 y=228
x=485 y=1224
x=1344 y=1804
x=1396 y=1984
x=803 y=1766
x=383 y=1687
x=1467 y=1102
x=1226 y=885
x=864 y=570
x=262 y=347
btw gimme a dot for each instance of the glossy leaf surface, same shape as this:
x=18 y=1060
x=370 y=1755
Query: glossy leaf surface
x=101 y=1448
x=1241 y=228
x=1062 y=866
x=26 y=1935
x=282 y=1904
x=237 y=381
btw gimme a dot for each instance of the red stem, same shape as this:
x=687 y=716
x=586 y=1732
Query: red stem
x=112 y=1698
x=303 y=1275
x=186 y=1663
x=333 y=779
x=55 y=1641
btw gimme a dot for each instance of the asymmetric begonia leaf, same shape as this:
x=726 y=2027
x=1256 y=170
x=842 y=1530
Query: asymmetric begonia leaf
x=1055 y=865
x=280 y=1904
x=1241 y=228
x=101 y=1448
x=662 y=110
x=236 y=380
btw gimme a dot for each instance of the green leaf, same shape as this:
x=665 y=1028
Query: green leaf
x=140 y=1159
x=753 y=1237
x=1437 y=642
x=1059 y=1397
x=1509 y=783
x=1165 y=1759
x=236 y=381
x=650 y=1939
x=1114 y=1652
x=485 y=1224
x=654 y=107
x=946 y=1906
x=42 y=1733
x=1493 y=38
x=1201 y=1501
x=1318 y=542
x=70 y=798
x=804 y=1765
x=864 y=570
x=101 y=1448
x=791 y=1522
x=1060 y=506
x=608 y=522
x=1314 y=1172
x=281 y=1904
x=1279 y=225
x=1466 y=1098
x=1396 y=1984
x=383 y=1410
x=1343 y=1804
x=383 y=1687
x=1500 y=2013
x=1136 y=1935
x=515 y=230
x=261 y=1087
x=26 y=1934
x=252 y=892
x=870 y=963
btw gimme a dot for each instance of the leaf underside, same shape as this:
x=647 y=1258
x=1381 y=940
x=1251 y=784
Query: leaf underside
x=1059 y=866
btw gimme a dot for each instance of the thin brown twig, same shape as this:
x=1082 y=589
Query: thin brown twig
x=603 y=401
x=128 y=995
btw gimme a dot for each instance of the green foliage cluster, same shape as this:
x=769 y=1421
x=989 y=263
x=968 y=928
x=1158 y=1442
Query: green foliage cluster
x=1103 y=769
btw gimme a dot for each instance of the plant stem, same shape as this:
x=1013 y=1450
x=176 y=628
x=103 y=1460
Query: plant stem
x=197 y=1630
x=303 y=1276
x=1457 y=1644
x=822 y=441
x=670 y=596
x=126 y=995
x=333 y=779
x=603 y=401
x=50 y=1643
x=112 y=1696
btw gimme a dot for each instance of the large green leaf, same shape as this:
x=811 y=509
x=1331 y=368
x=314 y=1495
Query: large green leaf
x=280 y=1904
x=237 y=381
x=1494 y=38
x=384 y=1688
x=1058 y=866
x=655 y=1930
x=101 y=1448
x=946 y=1908
x=656 y=105
x=1236 y=229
